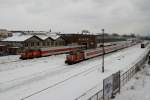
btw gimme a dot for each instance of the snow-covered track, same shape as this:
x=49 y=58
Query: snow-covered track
x=76 y=75
x=10 y=61
x=45 y=74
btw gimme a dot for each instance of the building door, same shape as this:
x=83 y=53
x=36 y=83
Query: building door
x=85 y=44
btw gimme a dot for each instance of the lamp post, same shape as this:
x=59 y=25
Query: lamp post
x=103 y=51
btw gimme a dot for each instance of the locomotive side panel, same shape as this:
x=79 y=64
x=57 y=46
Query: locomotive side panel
x=36 y=53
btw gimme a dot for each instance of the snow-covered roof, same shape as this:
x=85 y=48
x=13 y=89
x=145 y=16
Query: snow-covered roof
x=43 y=37
x=18 y=38
x=21 y=37
x=54 y=36
x=17 y=34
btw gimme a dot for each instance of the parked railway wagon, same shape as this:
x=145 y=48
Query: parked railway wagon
x=80 y=55
x=144 y=44
x=29 y=54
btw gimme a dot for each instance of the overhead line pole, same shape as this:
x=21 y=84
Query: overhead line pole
x=103 y=51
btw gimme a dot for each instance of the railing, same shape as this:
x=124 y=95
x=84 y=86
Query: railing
x=125 y=77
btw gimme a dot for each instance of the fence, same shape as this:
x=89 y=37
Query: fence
x=124 y=78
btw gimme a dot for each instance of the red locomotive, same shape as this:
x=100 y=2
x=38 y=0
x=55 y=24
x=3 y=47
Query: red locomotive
x=80 y=55
x=29 y=54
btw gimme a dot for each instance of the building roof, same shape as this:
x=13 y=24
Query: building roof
x=54 y=36
x=43 y=37
x=21 y=38
x=17 y=34
x=18 y=38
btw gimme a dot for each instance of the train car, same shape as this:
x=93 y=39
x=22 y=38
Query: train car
x=77 y=56
x=91 y=53
x=29 y=54
x=57 y=50
x=144 y=44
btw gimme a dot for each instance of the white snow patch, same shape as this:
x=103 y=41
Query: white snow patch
x=63 y=82
x=138 y=88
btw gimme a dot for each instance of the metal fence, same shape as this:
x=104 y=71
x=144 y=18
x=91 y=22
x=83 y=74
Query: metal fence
x=125 y=77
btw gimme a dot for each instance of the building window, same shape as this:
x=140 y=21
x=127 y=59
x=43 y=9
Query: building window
x=32 y=43
x=55 y=43
x=48 y=43
x=52 y=43
x=38 y=43
x=43 y=43
x=59 y=43
x=26 y=44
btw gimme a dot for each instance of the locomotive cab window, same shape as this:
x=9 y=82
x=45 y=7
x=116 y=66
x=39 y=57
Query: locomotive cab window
x=72 y=53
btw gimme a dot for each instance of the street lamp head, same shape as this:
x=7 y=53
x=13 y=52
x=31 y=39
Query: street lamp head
x=103 y=30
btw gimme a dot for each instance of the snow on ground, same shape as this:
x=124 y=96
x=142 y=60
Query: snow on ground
x=11 y=62
x=138 y=88
x=60 y=81
x=5 y=59
x=71 y=89
x=8 y=59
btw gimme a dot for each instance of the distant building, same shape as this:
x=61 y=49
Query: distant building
x=88 y=40
x=4 y=34
x=19 y=43
x=22 y=40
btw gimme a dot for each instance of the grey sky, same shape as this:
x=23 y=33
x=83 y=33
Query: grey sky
x=122 y=16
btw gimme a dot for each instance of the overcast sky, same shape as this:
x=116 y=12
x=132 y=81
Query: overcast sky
x=121 y=16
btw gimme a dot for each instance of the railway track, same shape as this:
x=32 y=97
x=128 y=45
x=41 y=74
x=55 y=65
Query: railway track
x=15 y=64
x=8 y=85
x=76 y=75
x=44 y=74
x=85 y=72
x=10 y=61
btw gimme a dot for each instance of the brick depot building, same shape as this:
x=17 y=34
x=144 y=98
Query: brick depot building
x=17 y=44
x=80 y=39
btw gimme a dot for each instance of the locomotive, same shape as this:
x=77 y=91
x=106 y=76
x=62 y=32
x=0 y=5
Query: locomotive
x=80 y=55
x=35 y=53
x=144 y=44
